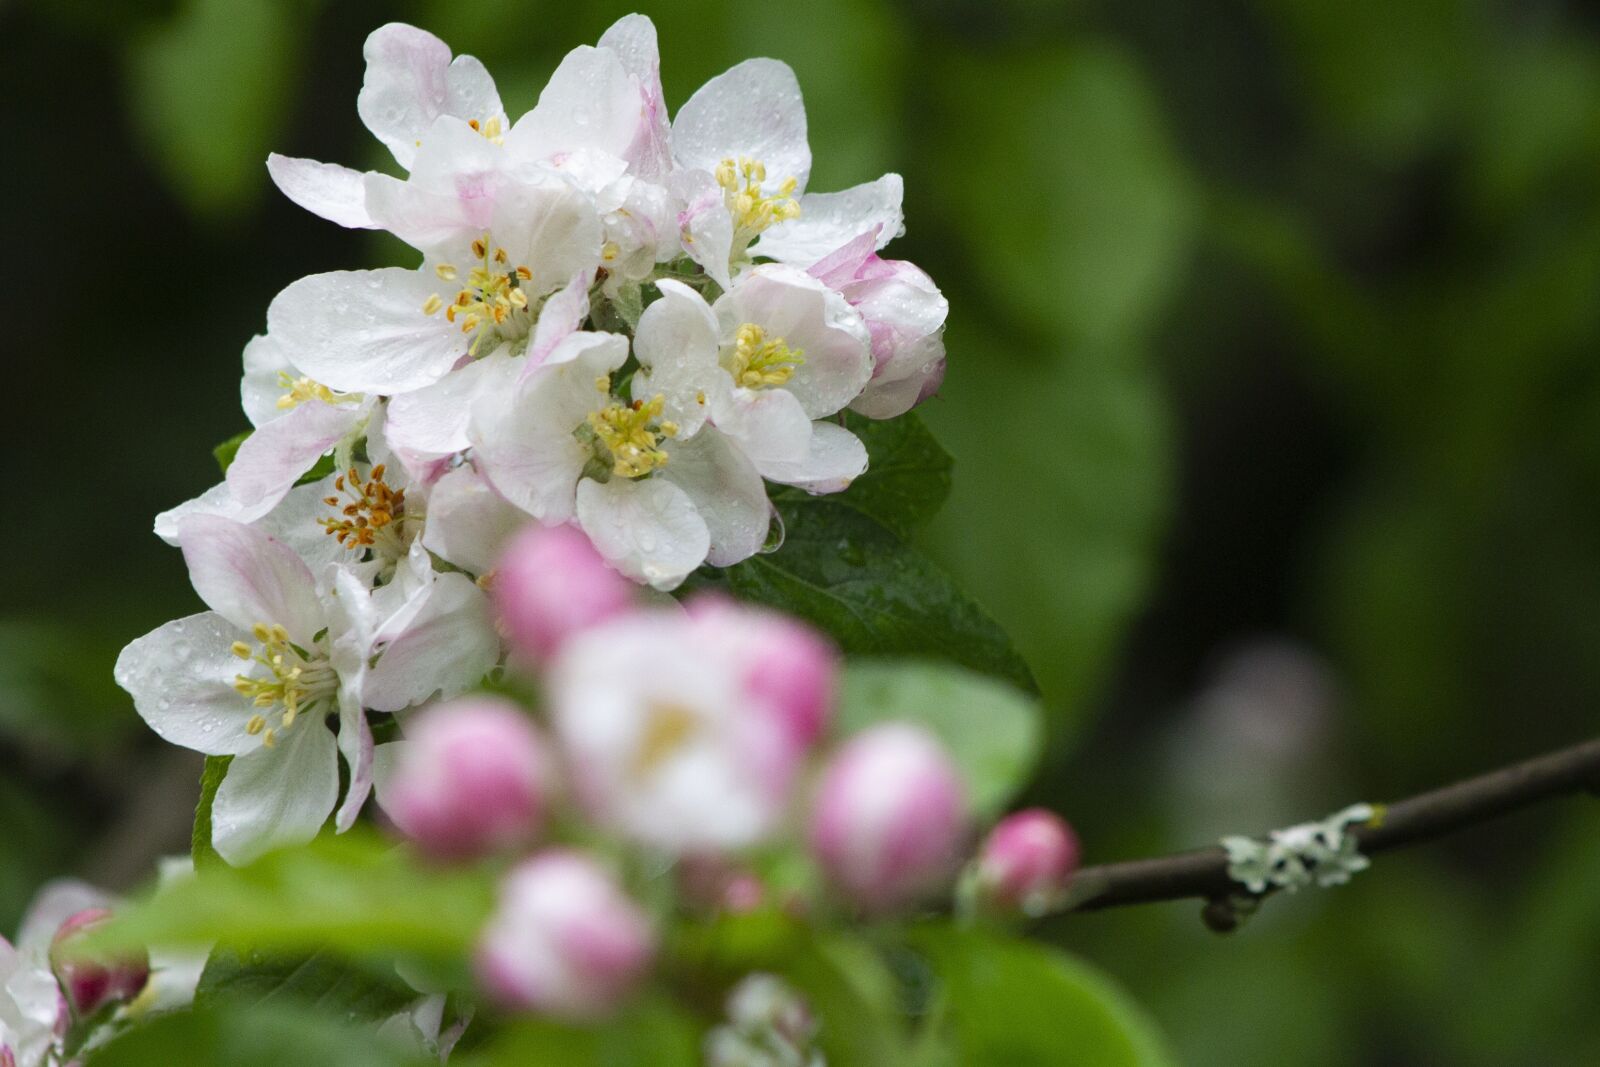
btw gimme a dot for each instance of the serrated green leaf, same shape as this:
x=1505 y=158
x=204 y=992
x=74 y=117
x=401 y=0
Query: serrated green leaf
x=200 y=847
x=871 y=592
x=246 y=980
x=1014 y=1003
x=907 y=478
x=993 y=732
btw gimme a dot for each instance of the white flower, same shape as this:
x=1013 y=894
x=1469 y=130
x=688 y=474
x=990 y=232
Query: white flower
x=33 y=1011
x=307 y=654
x=773 y=354
x=657 y=501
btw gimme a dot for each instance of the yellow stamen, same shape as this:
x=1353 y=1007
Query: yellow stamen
x=294 y=681
x=753 y=210
x=756 y=362
x=490 y=296
x=298 y=390
x=627 y=432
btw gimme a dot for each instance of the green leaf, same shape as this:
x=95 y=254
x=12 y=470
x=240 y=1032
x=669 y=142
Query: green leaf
x=991 y=730
x=265 y=1035
x=249 y=979
x=1007 y=1003
x=355 y=895
x=200 y=846
x=652 y=1033
x=212 y=89
x=907 y=478
x=870 y=591
x=228 y=449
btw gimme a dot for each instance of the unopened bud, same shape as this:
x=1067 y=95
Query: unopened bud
x=551 y=583
x=1026 y=862
x=90 y=981
x=472 y=778
x=564 y=939
x=889 y=818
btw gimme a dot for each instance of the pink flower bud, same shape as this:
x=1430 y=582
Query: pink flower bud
x=472 y=777
x=890 y=816
x=564 y=940
x=1027 y=860
x=91 y=982
x=788 y=667
x=550 y=584
x=714 y=883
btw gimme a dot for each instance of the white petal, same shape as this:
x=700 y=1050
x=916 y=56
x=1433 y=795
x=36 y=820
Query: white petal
x=273 y=458
x=276 y=796
x=448 y=200
x=633 y=39
x=266 y=363
x=468 y=523
x=249 y=578
x=218 y=500
x=433 y=420
x=829 y=220
x=446 y=645
x=676 y=344
x=913 y=373
x=590 y=102
x=325 y=189
x=411 y=81
x=835 y=459
x=364 y=331
x=754 y=109
x=296 y=523
x=559 y=319
x=727 y=493
x=705 y=228
x=648 y=530
x=355 y=743
x=769 y=424
x=551 y=228
x=181 y=679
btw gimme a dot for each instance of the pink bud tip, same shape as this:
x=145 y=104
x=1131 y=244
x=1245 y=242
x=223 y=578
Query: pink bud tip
x=1027 y=860
x=889 y=817
x=91 y=982
x=551 y=583
x=472 y=778
x=788 y=668
x=564 y=939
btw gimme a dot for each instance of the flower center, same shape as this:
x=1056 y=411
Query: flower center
x=373 y=514
x=757 y=362
x=295 y=681
x=669 y=726
x=490 y=296
x=627 y=437
x=753 y=211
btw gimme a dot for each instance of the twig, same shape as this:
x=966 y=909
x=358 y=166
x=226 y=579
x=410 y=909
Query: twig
x=1203 y=873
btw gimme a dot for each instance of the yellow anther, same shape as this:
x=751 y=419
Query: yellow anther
x=490 y=130
x=269 y=738
x=298 y=390
x=372 y=514
x=610 y=251
x=756 y=362
x=293 y=681
x=446 y=272
x=255 y=725
x=753 y=209
x=602 y=384
x=240 y=649
x=490 y=296
x=632 y=434
x=432 y=305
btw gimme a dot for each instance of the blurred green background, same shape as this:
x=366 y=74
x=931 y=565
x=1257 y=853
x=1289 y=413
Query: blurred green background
x=1272 y=389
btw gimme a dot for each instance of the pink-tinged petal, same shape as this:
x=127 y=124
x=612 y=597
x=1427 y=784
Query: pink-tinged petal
x=448 y=201
x=649 y=530
x=633 y=39
x=912 y=374
x=411 y=81
x=278 y=796
x=842 y=266
x=769 y=424
x=181 y=679
x=356 y=745
x=560 y=318
x=590 y=102
x=754 y=109
x=327 y=190
x=266 y=364
x=468 y=523
x=705 y=228
x=829 y=220
x=433 y=420
x=296 y=521
x=676 y=343
x=444 y=645
x=219 y=501
x=249 y=578
x=273 y=458
x=365 y=331
x=835 y=458
x=727 y=494
x=57 y=901
x=550 y=227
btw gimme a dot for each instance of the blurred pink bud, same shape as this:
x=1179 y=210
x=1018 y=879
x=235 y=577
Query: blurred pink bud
x=889 y=817
x=787 y=666
x=564 y=939
x=550 y=584
x=1027 y=860
x=472 y=777
x=91 y=982
x=714 y=883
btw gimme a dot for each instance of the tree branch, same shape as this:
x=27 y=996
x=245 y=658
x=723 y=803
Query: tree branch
x=1203 y=873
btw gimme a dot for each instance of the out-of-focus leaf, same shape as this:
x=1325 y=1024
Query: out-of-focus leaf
x=654 y=1033
x=355 y=895
x=211 y=90
x=56 y=694
x=1014 y=1003
x=250 y=979
x=263 y=1036
x=907 y=478
x=991 y=730
x=871 y=592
